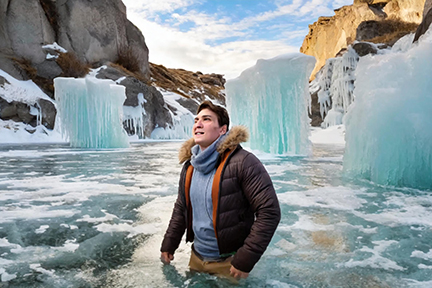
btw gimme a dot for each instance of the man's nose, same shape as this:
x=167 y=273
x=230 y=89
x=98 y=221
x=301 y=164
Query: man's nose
x=198 y=123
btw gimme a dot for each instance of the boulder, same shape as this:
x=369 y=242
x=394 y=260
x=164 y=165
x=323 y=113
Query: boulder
x=364 y=48
x=95 y=31
x=48 y=69
x=16 y=111
x=369 y=29
x=24 y=28
x=49 y=113
x=98 y=30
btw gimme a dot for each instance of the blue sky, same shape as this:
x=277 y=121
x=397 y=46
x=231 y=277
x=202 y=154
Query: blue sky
x=224 y=36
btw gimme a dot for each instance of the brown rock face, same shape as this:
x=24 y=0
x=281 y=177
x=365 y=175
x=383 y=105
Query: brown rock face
x=329 y=35
x=427 y=7
x=95 y=31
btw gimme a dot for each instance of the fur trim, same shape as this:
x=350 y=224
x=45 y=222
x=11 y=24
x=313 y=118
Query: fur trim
x=235 y=136
x=185 y=150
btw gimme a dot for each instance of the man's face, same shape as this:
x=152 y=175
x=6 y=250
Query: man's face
x=206 y=128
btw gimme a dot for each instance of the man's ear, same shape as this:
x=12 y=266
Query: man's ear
x=223 y=130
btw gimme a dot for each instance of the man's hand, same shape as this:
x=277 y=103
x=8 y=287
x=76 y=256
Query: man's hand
x=166 y=257
x=237 y=273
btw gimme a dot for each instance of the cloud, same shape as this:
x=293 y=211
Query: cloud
x=339 y=3
x=316 y=8
x=150 y=7
x=183 y=50
x=183 y=34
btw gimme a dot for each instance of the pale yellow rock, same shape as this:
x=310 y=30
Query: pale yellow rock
x=329 y=35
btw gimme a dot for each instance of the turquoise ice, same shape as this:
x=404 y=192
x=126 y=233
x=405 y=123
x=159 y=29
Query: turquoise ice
x=271 y=100
x=388 y=133
x=90 y=111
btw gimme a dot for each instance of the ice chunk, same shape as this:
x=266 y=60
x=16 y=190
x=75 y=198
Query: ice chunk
x=271 y=99
x=388 y=134
x=55 y=47
x=90 y=112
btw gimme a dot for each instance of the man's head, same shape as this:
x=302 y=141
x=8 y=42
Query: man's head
x=211 y=122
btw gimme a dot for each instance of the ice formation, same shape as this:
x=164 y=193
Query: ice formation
x=133 y=117
x=90 y=112
x=182 y=119
x=29 y=93
x=271 y=99
x=388 y=134
x=23 y=91
x=335 y=87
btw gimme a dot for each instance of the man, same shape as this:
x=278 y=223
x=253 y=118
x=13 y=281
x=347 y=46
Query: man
x=226 y=200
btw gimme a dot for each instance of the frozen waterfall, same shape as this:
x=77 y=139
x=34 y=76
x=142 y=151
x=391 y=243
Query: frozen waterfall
x=336 y=85
x=388 y=133
x=90 y=112
x=271 y=99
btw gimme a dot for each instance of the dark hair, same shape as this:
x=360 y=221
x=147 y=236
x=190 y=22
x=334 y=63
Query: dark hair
x=221 y=112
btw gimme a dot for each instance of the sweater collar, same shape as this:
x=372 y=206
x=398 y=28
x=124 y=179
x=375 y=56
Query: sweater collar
x=205 y=161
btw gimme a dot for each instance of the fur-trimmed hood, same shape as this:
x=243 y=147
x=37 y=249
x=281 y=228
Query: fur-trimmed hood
x=235 y=136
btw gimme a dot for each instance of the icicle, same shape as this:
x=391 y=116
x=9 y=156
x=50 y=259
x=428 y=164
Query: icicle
x=336 y=84
x=134 y=117
x=90 y=111
x=270 y=98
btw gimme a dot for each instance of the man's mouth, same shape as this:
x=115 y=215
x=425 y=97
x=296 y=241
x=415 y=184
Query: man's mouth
x=199 y=133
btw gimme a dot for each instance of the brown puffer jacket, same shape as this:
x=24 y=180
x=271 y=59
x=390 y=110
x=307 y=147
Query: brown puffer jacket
x=246 y=211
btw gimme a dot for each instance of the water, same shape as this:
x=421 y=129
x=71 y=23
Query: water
x=95 y=218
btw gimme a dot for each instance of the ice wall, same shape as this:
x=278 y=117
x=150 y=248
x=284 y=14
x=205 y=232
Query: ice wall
x=388 y=127
x=90 y=112
x=271 y=99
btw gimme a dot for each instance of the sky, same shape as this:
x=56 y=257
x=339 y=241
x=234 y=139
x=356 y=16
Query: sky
x=224 y=36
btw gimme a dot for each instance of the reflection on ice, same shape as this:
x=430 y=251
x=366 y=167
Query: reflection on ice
x=90 y=218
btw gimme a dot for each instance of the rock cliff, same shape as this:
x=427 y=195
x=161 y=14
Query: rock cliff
x=95 y=31
x=333 y=86
x=364 y=20
x=44 y=39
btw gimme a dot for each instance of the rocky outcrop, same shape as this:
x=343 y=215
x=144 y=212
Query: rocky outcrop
x=194 y=86
x=36 y=111
x=329 y=35
x=427 y=20
x=82 y=34
x=427 y=7
x=95 y=31
x=156 y=112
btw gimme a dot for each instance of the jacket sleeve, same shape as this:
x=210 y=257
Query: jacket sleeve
x=259 y=191
x=177 y=224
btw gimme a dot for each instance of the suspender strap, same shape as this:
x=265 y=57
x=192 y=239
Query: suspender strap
x=188 y=181
x=215 y=187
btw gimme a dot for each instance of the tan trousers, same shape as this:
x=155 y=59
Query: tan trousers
x=218 y=268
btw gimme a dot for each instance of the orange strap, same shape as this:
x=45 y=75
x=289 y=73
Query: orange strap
x=189 y=173
x=215 y=187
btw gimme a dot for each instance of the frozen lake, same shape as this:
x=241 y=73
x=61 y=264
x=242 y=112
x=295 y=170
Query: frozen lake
x=95 y=218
